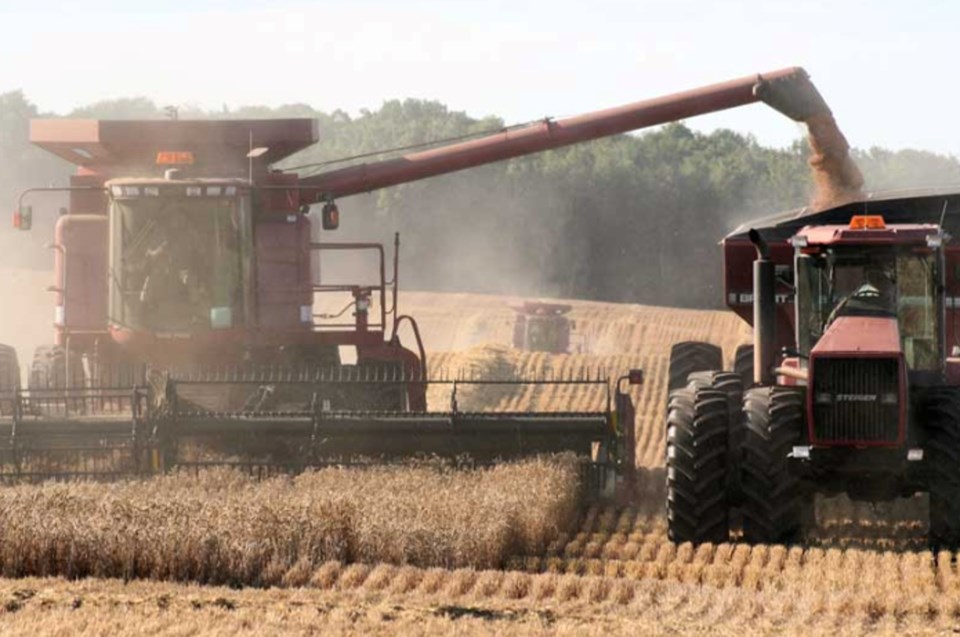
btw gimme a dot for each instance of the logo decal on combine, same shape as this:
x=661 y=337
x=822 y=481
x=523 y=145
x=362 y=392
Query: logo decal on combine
x=856 y=398
x=746 y=298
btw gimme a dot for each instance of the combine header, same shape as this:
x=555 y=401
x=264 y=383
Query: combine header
x=196 y=322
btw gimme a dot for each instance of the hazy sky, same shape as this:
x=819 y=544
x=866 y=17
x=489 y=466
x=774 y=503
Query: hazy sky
x=886 y=68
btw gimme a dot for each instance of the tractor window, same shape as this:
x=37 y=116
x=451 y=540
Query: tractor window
x=875 y=281
x=176 y=263
x=916 y=309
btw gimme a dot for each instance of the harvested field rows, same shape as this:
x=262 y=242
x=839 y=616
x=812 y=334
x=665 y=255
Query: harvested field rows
x=388 y=600
x=861 y=556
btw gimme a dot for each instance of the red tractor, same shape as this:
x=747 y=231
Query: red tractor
x=191 y=314
x=853 y=385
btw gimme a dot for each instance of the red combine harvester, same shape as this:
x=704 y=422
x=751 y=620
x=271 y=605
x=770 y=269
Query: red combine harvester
x=189 y=327
x=852 y=384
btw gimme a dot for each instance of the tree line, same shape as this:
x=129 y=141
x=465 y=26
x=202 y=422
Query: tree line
x=631 y=218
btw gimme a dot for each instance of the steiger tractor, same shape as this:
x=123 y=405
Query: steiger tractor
x=196 y=320
x=852 y=384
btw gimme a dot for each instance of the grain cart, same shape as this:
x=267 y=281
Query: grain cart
x=190 y=315
x=854 y=379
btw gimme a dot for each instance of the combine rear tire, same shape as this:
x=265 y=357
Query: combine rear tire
x=49 y=369
x=697 y=430
x=743 y=364
x=692 y=356
x=943 y=460
x=9 y=379
x=774 y=506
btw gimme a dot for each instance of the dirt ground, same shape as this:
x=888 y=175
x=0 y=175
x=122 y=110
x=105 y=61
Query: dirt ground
x=458 y=603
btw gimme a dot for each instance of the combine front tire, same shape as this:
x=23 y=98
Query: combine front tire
x=697 y=430
x=9 y=379
x=692 y=356
x=774 y=506
x=943 y=460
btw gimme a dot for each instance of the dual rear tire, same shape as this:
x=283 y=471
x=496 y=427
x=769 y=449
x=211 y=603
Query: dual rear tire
x=727 y=454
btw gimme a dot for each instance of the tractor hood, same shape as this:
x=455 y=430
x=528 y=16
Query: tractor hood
x=857 y=395
x=860 y=336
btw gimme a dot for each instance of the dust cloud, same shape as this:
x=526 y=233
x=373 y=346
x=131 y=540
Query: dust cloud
x=459 y=233
x=27 y=310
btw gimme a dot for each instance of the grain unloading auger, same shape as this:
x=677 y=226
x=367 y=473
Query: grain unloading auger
x=193 y=321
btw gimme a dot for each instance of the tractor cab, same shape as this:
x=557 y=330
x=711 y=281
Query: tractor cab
x=868 y=273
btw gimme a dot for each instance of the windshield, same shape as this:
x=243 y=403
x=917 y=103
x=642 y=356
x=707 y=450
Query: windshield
x=871 y=281
x=176 y=262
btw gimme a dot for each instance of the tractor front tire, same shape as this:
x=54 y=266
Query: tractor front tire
x=697 y=431
x=774 y=506
x=943 y=460
x=689 y=357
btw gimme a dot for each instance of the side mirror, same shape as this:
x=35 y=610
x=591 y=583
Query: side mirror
x=635 y=377
x=330 y=216
x=23 y=218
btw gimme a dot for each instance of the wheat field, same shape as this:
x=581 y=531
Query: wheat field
x=422 y=550
x=223 y=527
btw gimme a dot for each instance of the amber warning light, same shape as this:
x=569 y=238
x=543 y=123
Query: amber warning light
x=174 y=157
x=867 y=222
